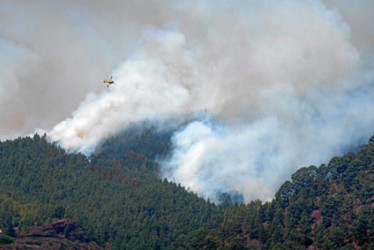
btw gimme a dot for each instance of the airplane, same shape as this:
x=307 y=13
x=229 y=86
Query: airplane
x=108 y=82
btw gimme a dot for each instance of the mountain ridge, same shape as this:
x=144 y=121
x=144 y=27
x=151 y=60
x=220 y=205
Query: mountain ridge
x=119 y=201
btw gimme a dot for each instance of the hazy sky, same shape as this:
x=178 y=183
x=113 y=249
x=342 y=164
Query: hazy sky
x=53 y=53
x=289 y=83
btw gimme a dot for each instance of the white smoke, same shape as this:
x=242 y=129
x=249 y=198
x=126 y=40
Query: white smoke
x=254 y=158
x=287 y=86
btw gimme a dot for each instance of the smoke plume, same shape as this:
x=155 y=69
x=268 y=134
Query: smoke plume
x=285 y=84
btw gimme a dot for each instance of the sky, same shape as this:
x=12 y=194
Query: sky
x=277 y=85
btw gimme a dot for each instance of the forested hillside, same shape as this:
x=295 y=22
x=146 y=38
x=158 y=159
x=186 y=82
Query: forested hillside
x=119 y=202
x=329 y=207
x=115 y=200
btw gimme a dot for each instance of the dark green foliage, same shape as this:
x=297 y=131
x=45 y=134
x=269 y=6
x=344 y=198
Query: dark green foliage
x=329 y=207
x=134 y=151
x=238 y=243
x=6 y=239
x=119 y=201
x=122 y=201
x=10 y=230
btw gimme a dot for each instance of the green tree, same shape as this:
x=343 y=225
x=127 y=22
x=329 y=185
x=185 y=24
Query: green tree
x=10 y=230
x=238 y=243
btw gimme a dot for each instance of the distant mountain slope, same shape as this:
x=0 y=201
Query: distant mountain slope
x=135 y=145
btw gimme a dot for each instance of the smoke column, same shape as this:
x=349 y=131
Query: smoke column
x=285 y=84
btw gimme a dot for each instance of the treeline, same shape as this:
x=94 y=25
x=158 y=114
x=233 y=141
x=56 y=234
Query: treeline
x=118 y=200
x=329 y=207
x=115 y=197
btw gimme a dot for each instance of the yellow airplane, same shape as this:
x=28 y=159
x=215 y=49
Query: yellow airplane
x=108 y=82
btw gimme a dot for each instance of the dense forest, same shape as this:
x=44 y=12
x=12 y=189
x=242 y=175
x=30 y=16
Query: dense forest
x=117 y=199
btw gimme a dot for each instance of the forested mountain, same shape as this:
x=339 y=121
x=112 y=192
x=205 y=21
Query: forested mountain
x=107 y=197
x=116 y=198
x=329 y=207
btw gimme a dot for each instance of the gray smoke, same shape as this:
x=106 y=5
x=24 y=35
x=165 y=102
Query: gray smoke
x=52 y=53
x=289 y=84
